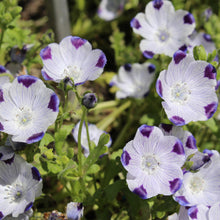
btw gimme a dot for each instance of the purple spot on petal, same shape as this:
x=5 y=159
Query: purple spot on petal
x=188 y=19
x=148 y=54
x=159 y=88
x=167 y=127
x=27 y=80
x=2 y=69
x=77 y=42
x=191 y=142
x=209 y=152
x=181 y=200
x=151 y=68
x=127 y=67
x=141 y=191
x=178 y=148
x=135 y=23
x=35 y=173
x=183 y=48
x=1 y=215
x=178 y=121
x=35 y=138
x=45 y=75
x=157 y=4
x=10 y=161
x=79 y=206
x=1 y=127
x=210 y=72
x=101 y=61
x=175 y=185
x=54 y=103
x=125 y=158
x=178 y=56
x=207 y=37
x=210 y=109
x=28 y=206
x=146 y=130
x=46 y=53
x=192 y=212
x=1 y=96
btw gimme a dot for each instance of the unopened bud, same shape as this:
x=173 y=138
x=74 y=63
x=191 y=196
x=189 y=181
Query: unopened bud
x=89 y=100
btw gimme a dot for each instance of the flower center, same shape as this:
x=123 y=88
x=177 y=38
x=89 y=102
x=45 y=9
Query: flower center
x=180 y=93
x=149 y=164
x=163 y=36
x=72 y=72
x=13 y=193
x=24 y=116
x=196 y=184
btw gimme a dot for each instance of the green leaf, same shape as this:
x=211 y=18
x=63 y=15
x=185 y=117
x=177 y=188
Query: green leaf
x=93 y=169
x=211 y=124
x=54 y=167
x=47 y=139
x=211 y=56
x=199 y=53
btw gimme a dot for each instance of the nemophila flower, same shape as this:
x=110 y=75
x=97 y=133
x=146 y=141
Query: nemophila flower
x=134 y=80
x=110 y=9
x=197 y=39
x=20 y=184
x=187 y=139
x=188 y=89
x=181 y=215
x=73 y=58
x=153 y=162
x=202 y=187
x=94 y=135
x=164 y=30
x=74 y=210
x=27 y=109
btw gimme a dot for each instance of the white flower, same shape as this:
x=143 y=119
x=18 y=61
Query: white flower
x=20 y=184
x=27 y=109
x=134 y=80
x=202 y=187
x=153 y=162
x=94 y=135
x=110 y=9
x=182 y=215
x=188 y=89
x=164 y=30
x=73 y=58
x=74 y=210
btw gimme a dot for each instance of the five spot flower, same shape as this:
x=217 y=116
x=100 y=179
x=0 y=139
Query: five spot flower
x=27 y=109
x=72 y=58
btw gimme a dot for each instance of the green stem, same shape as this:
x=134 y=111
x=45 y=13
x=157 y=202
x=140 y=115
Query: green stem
x=1 y=39
x=87 y=132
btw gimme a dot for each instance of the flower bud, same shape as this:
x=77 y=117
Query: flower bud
x=89 y=100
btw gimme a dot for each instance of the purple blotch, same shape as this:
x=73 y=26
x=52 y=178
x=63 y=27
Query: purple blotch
x=209 y=152
x=210 y=72
x=178 y=121
x=191 y=142
x=192 y=212
x=1 y=215
x=54 y=103
x=167 y=127
x=148 y=54
x=125 y=158
x=77 y=42
x=10 y=161
x=35 y=173
x=35 y=138
x=1 y=127
x=175 y=185
x=27 y=80
x=127 y=67
x=2 y=69
x=79 y=206
x=159 y=88
x=178 y=56
x=146 y=130
x=45 y=75
x=28 y=206
x=207 y=37
x=141 y=191
x=46 y=53
x=135 y=23
x=188 y=19
x=151 y=68
x=1 y=96
x=210 y=109
x=157 y=4
x=101 y=61
x=183 y=48
x=181 y=200
x=178 y=148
